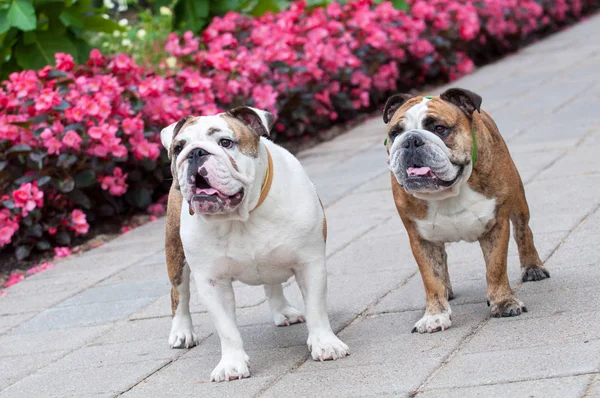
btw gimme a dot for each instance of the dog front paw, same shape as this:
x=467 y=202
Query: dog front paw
x=534 y=273
x=431 y=323
x=326 y=346
x=232 y=366
x=182 y=332
x=287 y=316
x=511 y=306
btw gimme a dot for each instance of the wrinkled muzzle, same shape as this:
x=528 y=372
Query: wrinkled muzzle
x=208 y=180
x=421 y=162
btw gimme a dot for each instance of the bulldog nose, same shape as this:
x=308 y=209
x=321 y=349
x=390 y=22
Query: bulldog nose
x=197 y=153
x=412 y=142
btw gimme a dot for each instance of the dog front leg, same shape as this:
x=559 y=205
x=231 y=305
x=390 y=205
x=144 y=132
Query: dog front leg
x=431 y=258
x=219 y=300
x=322 y=342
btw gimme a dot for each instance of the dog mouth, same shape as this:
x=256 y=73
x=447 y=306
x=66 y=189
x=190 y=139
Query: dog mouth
x=208 y=200
x=423 y=175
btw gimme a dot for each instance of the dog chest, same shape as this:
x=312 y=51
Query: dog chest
x=462 y=217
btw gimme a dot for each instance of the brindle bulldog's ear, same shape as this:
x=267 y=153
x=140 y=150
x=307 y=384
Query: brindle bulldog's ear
x=467 y=101
x=392 y=105
x=258 y=120
x=167 y=135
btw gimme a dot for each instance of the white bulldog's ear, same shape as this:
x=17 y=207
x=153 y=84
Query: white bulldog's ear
x=392 y=105
x=167 y=135
x=258 y=120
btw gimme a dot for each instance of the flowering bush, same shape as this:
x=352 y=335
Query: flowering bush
x=78 y=143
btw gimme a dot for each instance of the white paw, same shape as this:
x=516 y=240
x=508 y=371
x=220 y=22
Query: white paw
x=182 y=332
x=326 y=346
x=232 y=366
x=433 y=322
x=287 y=316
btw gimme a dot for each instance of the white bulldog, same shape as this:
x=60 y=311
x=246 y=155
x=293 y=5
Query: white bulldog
x=243 y=208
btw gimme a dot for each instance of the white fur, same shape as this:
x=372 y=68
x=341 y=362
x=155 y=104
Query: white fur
x=431 y=323
x=461 y=217
x=281 y=238
x=415 y=115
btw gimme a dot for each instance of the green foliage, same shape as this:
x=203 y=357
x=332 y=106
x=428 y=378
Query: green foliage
x=194 y=15
x=32 y=31
x=144 y=40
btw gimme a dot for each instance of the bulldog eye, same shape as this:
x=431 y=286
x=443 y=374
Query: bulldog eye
x=178 y=148
x=394 y=134
x=440 y=130
x=225 y=143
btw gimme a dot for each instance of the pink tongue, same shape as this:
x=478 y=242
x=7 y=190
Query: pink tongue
x=418 y=171
x=207 y=191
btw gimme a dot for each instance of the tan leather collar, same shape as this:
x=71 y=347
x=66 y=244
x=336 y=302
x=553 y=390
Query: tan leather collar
x=266 y=186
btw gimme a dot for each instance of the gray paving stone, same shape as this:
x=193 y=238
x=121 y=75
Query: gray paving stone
x=110 y=380
x=83 y=315
x=566 y=359
x=368 y=380
x=54 y=340
x=559 y=301
x=190 y=378
x=155 y=329
x=15 y=368
x=594 y=388
x=8 y=322
x=562 y=387
x=525 y=332
x=119 y=292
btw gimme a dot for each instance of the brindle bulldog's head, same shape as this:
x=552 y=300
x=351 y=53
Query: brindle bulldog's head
x=429 y=142
x=214 y=158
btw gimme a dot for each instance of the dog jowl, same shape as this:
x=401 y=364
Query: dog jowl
x=453 y=179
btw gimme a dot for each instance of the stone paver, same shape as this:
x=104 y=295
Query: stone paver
x=97 y=325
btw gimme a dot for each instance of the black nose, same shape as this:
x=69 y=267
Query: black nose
x=413 y=142
x=197 y=153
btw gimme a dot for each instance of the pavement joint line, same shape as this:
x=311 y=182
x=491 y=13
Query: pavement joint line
x=168 y=363
x=500 y=383
x=588 y=391
x=361 y=315
x=78 y=292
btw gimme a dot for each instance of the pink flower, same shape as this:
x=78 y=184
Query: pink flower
x=114 y=184
x=64 y=62
x=156 y=208
x=72 y=140
x=13 y=279
x=62 y=252
x=40 y=268
x=153 y=218
x=125 y=229
x=421 y=48
x=264 y=97
x=79 y=222
x=28 y=197
x=132 y=126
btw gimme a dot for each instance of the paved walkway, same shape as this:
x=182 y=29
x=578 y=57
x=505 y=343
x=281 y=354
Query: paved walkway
x=97 y=325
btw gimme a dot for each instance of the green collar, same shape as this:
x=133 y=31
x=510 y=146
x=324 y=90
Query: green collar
x=473 y=153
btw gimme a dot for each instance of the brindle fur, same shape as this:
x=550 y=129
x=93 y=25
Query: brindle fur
x=494 y=176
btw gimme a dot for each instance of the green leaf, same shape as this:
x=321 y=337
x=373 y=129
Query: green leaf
x=63 y=238
x=24 y=179
x=400 y=5
x=43 y=181
x=81 y=199
x=95 y=23
x=8 y=204
x=269 y=5
x=41 y=52
x=3 y=164
x=66 y=185
x=85 y=178
x=43 y=245
x=35 y=231
x=223 y=6
x=71 y=18
x=4 y=24
x=19 y=149
x=23 y=252
x=21 y=14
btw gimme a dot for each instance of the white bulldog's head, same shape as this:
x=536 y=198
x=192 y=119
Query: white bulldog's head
x=430 y=143
x=214 y=159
